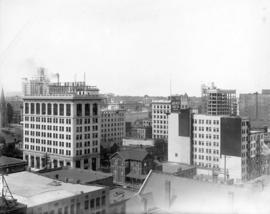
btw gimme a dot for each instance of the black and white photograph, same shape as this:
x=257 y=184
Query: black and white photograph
x=134 y=106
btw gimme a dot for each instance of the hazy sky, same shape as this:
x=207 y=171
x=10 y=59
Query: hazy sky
x=136 y=46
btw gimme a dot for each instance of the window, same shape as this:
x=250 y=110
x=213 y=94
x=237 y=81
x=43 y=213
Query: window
x=55 y=109
x=92 y=203
x=61 y=111
x=103 y=200
x=86 y=204
x=49 y=110
x=37 y=108
x=32 y=108
x=95 y=109
x=26 y=108
x=43 y=108
x=79 y=109
x=87 y=109
x=68 y=110
x=97 y=202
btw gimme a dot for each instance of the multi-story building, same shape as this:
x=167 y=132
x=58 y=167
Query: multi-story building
x=255 y=106
x=218 y=101
x=61 y=124
x=112 y=127
x=217 y=145
x=147 y=122
x=160 y=111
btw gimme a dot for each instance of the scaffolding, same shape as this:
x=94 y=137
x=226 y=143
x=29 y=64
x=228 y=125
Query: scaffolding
x=7 y=201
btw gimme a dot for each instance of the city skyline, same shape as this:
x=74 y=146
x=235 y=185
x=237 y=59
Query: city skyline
x=142 y=46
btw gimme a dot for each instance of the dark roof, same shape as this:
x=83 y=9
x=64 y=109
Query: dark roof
x=132 y=154
x=5 y=161
x=74 y=175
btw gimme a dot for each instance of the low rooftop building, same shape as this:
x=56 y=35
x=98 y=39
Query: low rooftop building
x=179 y=169
x=80 y=176
x=118 y=198
x=11 y=165
x=45 y=195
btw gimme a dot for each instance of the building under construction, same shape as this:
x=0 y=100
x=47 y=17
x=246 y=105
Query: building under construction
x=218 y=101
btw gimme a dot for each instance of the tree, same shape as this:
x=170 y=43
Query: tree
x=9 y=113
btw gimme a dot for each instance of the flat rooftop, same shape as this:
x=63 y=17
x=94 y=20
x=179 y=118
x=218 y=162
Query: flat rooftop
x=32 y=189
x=73 y=175
x=7 y=161
x=120 y=194
x=183 y=166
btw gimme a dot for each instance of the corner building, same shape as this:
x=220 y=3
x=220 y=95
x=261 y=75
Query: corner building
x=62 y=126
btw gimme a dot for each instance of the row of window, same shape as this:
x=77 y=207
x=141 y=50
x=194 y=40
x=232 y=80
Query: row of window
x=48 y=127
x=160 y=117
x=207 y=143
x=47 y=109
x=121 y=130
x=161 y=106
x=208 y=129
x=48 y=149
x=209 y=122
x=208 y=158
x=47 y=120
x=112 y=124
x=208 y=151
x=161 y=112
x=46 y=135
x=59 y=109
x=161 y=121
x=207 y=136
x=160 y=131
x=207 y=165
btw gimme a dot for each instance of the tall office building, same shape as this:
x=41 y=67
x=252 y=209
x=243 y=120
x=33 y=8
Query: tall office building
x=218 y=101
x=160 y=111
x=255 y=106
x=61 y=123
x=222 y=146
x=112 y=127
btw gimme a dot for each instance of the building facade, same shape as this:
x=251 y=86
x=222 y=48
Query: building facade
x=160 y=111
x=216 y=145
x=62 y=124
x=112 y=127
x=255 y=106
x=45 y=195
x=218 y=101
